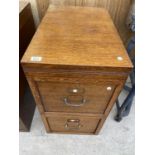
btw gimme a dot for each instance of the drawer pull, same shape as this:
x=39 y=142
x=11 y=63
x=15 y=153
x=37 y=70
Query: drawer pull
x=73 y=124
x=81 y=103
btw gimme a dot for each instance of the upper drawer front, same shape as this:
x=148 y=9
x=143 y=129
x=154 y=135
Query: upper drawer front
x=75 y=97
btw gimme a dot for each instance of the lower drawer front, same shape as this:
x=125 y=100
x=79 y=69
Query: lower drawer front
x=73 y=124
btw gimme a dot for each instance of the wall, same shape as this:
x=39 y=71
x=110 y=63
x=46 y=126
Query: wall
x=34 y=11
x=42 y=7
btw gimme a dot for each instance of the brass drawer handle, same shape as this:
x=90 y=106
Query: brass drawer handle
x=73 y=124
x=81 y=103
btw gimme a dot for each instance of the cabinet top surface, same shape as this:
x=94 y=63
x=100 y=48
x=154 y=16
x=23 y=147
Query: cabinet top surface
x=77 y=36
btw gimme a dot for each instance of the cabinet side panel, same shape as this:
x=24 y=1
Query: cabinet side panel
x=110 y=105
x=37 y=98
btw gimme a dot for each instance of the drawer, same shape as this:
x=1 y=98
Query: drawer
x=73 y=123
x=75 y=97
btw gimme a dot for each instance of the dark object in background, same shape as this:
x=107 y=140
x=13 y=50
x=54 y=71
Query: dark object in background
x=123 y=109
x=26 y=32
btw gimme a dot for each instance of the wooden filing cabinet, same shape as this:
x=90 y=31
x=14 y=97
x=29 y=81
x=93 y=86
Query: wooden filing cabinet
x=76 y=66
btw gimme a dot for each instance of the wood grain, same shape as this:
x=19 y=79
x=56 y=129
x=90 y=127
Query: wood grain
x=37 y=98
x=77 y=52
x=86 y=31
x=55 y=96
x=118 y=10
x=110 y=105
x=85 y=124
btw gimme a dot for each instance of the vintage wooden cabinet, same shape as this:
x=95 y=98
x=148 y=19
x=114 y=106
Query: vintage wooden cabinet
x=76 y=66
